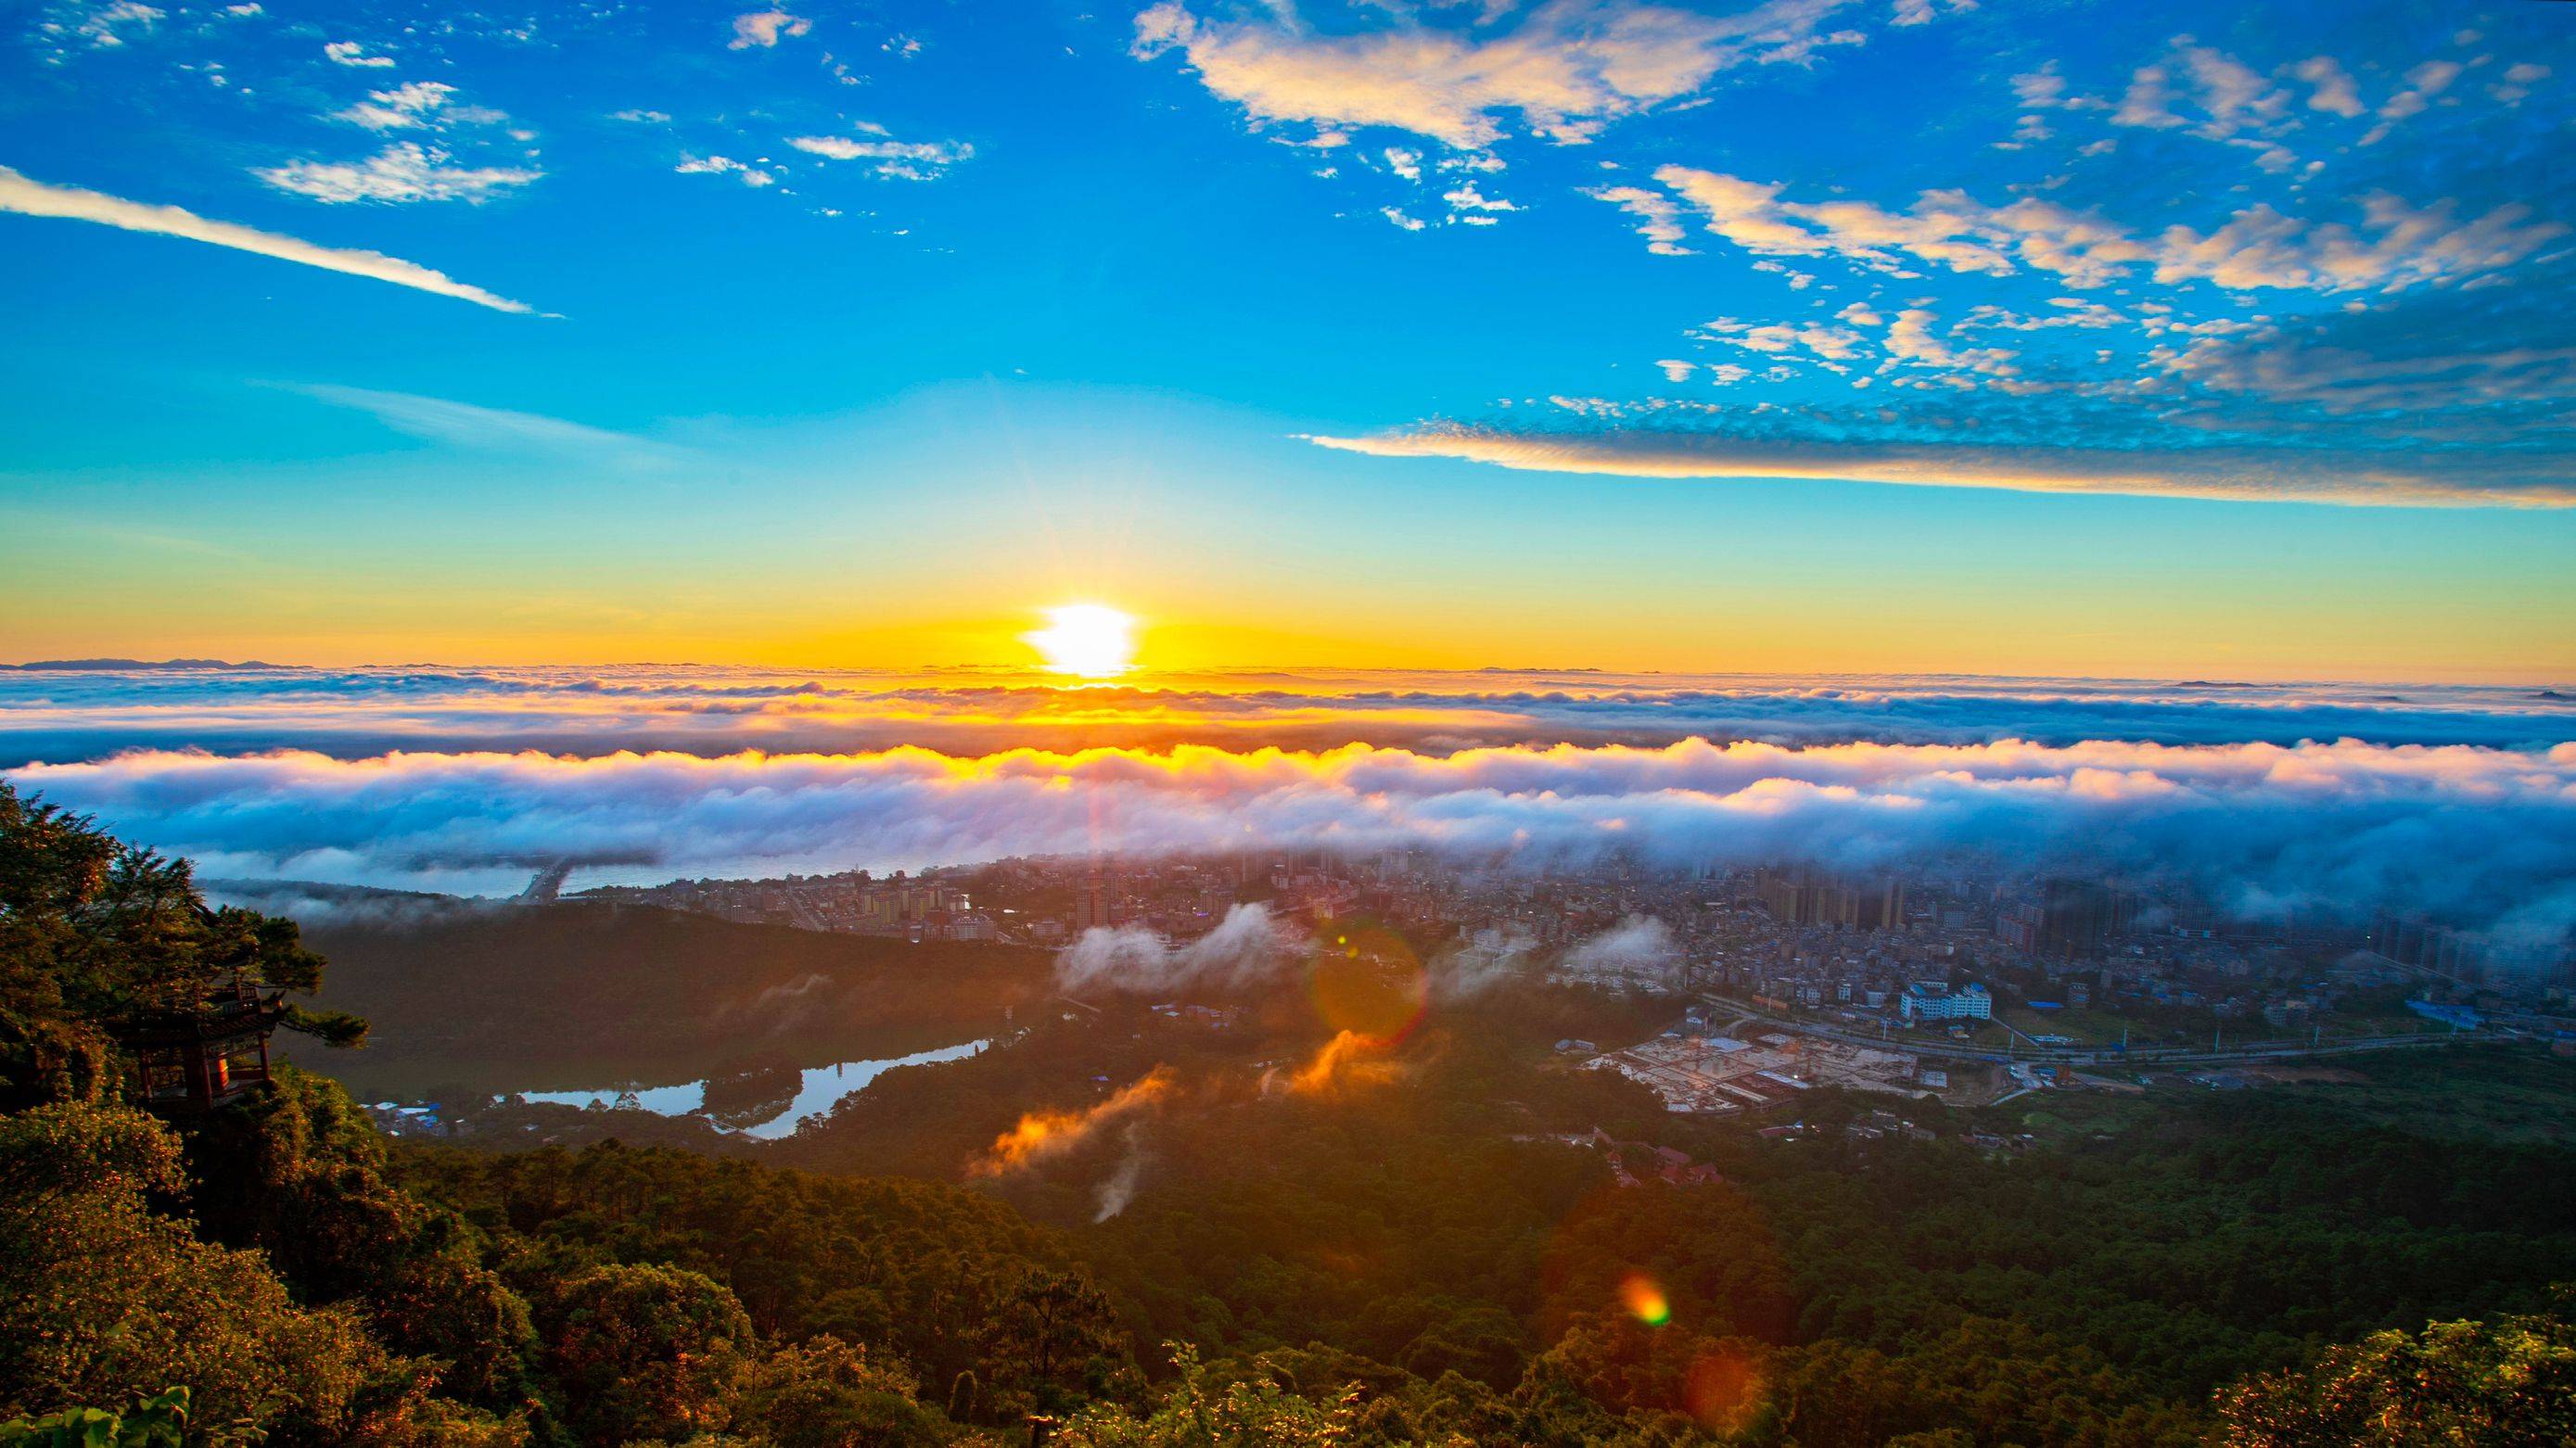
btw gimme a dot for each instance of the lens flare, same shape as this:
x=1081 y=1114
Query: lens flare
x=1086 y=640
x=1645 y=1300
x=1365 y=979
x=1723 y=1387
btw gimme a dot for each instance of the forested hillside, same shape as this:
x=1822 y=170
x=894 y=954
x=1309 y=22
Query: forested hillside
x=1126 y=1227
x=513 y=996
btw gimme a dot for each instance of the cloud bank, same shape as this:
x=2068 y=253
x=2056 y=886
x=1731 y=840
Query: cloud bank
x=2473 y=835
x=62 y=717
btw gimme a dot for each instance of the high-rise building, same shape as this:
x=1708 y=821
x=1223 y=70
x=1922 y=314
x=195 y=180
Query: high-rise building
x=1091 y=904
x=1798 y=897
x=2079 y=917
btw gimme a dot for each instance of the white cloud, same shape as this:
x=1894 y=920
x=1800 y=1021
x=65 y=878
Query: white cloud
x=2235 y=103
x=1945 y=228
x=641 y=118
x=35 y=198
x=1920 y=12
x=1835 y=344
x=895 y=160
x=2233 y=93
x=1911 y=341
x=761 y=29
x=1658 y=217
x=405 y=106
x=350 y=52
x=2260 y=247
x=403 y=172
x=2398 y=245
x=2149 y=101
x=2040 y=89
x=1569 y=68
x=105 y=27
x=2335 y=92
x=2073 y=312
x=1408 y=223
x=2424 y=82
x=1465 y=197
x=2518 y=81
x=752 y=176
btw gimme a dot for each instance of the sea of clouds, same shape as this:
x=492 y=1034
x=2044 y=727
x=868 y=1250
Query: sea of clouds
x=2476 y=834
x=66 y=716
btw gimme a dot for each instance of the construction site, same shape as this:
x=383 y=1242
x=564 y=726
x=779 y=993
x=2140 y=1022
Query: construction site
x=1720 y=1075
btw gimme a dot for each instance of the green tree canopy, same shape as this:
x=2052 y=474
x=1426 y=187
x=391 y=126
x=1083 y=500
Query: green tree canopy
x=91 y=928
x=2510 y=1383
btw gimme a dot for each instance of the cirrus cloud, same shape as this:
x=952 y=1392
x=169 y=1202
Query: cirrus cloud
x=1724 y=449
x=29 y=197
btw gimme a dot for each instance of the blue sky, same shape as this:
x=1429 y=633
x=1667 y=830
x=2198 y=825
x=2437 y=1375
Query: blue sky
x=1572 y=331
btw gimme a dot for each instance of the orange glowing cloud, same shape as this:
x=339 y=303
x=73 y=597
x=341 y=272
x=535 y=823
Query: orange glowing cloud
x=1345 y=1061
x=1045 y=1134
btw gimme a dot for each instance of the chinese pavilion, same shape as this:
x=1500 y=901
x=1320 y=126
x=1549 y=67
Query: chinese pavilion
x=199 y=1055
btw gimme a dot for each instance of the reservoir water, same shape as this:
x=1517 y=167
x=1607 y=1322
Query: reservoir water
x=818 y=1090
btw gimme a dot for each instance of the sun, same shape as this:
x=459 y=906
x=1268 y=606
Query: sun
x=1086 y=640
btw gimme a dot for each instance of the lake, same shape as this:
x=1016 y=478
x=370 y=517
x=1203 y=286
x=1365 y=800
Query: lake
x=817 y=1090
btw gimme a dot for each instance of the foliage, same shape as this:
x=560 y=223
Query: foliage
x=825 y=1393
x=1197 y=1413
x=91 y=928
x=2464 y=1384
x=644 y=1352
x=102 y=1299
x=914 y=1270
x=157 y=1421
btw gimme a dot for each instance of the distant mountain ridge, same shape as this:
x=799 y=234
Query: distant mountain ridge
x=115 y=666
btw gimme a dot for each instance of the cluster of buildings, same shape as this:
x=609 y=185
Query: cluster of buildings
x=1711 y=1073
x=925 y=907
x=1946 y=945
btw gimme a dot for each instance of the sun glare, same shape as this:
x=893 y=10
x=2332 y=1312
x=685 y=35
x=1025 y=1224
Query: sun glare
x=1086 y=640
